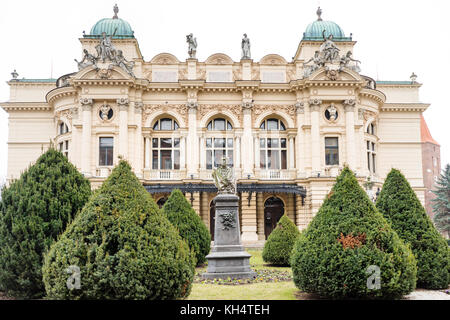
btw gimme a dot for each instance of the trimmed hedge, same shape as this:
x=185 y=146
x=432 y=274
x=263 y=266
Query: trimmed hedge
x=401 y=207
x=332 y=257
x=34 y=210
x=278 y=247
x=124 y=247
x=189 y=225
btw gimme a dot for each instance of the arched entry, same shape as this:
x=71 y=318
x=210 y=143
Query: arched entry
x=212 y=218
x=161 y=202
x=273 y=211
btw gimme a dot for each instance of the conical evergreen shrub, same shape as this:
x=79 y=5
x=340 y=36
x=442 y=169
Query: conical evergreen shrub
x=34 y=210
x=189 y=225
x=347 y=242
x=401 y=207
x=122 y=246
x=278 y=247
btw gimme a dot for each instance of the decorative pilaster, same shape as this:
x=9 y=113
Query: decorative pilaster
x=139 y=149
x=314 y=105
x=349 y=106
x=192 y=138
x=300 y=141
x=247 y=138
x=249 y=224
x=123 y=127
x=86 y=107
x=147 y=152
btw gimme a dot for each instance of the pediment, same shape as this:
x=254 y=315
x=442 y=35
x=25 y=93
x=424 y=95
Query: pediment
x=273 y=59
x=324 y=74
x=107 y=72
x=219 y=58
x=164 y=58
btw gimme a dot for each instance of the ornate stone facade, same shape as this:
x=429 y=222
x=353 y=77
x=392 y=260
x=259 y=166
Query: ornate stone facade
x=288 y=128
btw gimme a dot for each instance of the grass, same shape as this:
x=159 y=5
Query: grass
x=273 y=283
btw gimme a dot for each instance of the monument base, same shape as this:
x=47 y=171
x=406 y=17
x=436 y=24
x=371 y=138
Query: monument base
x=227 y=258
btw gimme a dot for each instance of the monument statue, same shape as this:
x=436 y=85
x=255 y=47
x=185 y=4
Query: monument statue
x=192 y=45
x=227 y=258
x=245 y=47
x=317 y=63
x=224 y=178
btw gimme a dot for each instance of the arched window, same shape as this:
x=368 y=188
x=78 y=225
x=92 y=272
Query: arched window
x=273 y=124
x=219 y=145
x=165 y=124
x=371 y=129
x=219 y=124
x=165 y=149
x=63 y=145
x=62 y=128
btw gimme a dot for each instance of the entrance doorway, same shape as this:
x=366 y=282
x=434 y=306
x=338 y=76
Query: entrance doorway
x=161 y=202
x=273 y=211
x=212 y=218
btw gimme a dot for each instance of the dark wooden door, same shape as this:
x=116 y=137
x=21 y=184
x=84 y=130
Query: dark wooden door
x=212 y=219
x=273 y=211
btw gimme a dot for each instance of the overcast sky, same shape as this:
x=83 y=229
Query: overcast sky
x=394 y=39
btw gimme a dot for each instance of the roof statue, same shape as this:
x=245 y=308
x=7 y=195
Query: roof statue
x=14 y=74
x=346 y=61
x=319 y=14
x=88 y=60
x=245 y=47
x=224 y=178
x=116 y=11
x=192 y=45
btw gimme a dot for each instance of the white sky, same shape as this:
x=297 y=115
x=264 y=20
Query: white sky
x=394 y=39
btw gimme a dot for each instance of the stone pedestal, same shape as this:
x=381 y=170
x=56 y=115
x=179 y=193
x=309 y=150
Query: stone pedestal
x=227 y=257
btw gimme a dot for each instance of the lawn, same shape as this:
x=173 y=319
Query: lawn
x=272 y=283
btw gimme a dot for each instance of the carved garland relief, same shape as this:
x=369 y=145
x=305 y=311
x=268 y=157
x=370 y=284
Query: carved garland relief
x=205 y=108
x=290 y=110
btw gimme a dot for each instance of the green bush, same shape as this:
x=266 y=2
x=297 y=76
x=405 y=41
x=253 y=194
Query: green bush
x=401 y=207
x=34 y=210
x=124 y=247
x=278 y=247
x=332 y=257
x=189 y=225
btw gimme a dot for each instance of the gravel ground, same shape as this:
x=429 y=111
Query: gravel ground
x=422 y=294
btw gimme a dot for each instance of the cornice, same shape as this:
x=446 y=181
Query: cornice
x=376 y=95
x=57 y=93
x=25 y=106
x=401 y=107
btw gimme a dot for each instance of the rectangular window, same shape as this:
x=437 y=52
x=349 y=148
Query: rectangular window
x=331 y=152
x=106 y=151
x=166 y=154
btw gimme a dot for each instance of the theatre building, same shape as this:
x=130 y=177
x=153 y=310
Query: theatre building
x=286 y=127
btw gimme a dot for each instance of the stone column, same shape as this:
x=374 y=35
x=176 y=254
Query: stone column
x=291 y=152
x=260 y=215
x=247 y=158
x=249 y=223
x=300 y=140
x=205 y=209
x=290 y=206
x=237 y=146
x=182 y=152
x=349 y=106
x=314 y=105
x=139 y=141
x=86 y=157
x=147 y=153
x=202 y=153
x=196 y=202
x=123 y=127
x=192 y=141
x=257 y=153
x=74 y=152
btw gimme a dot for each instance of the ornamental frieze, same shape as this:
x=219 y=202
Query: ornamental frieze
x=235 y=109
x=68 y=114
x=288 y=109
x=149 y=109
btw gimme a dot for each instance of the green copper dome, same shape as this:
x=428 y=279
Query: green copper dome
x=314 y=31
x=112 y=26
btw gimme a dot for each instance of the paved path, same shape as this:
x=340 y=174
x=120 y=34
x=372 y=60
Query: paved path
x=422 y=294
